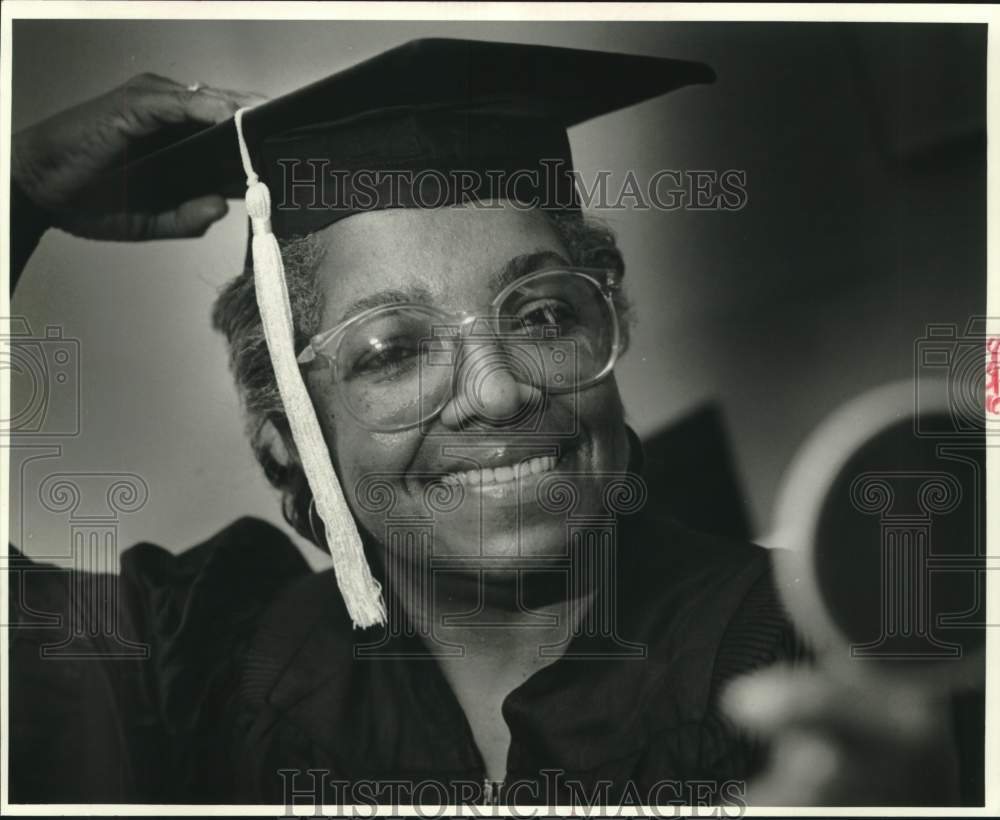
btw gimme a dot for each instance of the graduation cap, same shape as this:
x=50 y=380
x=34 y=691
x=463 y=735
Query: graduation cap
x=431 y=105
x=431 y=122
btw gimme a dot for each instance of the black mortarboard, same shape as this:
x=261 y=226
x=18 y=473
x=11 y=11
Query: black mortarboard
x=433 y=109
x=426 y=124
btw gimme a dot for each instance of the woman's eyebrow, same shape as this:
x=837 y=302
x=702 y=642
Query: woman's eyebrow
x=523 y=265
x=386 y=297
x=512 y=271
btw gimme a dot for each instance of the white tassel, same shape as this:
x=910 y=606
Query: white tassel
x=361 y=592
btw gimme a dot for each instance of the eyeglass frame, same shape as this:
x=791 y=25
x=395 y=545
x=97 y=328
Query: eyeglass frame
x=607 y=280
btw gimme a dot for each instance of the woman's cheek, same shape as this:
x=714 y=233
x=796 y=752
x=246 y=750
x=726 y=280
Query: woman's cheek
x=373 y=468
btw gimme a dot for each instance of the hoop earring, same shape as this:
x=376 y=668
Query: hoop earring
x=312 y=527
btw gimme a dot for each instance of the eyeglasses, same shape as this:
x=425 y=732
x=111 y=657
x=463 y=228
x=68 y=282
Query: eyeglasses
x=396 y=366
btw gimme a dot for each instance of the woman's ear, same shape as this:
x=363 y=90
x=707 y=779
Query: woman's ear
x=275 y=437
x=277 y=453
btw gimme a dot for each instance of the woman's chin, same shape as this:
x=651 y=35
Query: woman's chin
x=502 y=547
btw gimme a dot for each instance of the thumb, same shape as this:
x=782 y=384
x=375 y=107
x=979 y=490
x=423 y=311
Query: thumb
x=191 y=218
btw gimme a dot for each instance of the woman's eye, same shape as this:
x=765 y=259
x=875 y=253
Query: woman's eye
x=549 y=313
x=385 y=359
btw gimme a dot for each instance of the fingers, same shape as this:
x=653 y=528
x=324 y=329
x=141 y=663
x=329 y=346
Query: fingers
x=191 y=219
x=813 y=767
x=56 y=160
x=779 y=698
x=148 y=102
x=153 y=83
x=843 y=738
x=802 y=767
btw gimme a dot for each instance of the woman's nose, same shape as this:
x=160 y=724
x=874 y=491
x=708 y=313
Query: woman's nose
x=489 y=389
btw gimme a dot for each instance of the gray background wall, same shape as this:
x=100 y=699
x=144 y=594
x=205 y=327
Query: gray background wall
x=865 y=221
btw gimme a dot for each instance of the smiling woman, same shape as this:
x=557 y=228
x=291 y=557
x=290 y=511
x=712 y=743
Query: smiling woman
x=446 y=374
x=586 y=243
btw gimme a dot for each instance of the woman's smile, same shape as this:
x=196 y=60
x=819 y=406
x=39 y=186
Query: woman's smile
x=502 y=477
x=518 y=484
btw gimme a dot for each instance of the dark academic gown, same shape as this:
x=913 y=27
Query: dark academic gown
x=252 y=678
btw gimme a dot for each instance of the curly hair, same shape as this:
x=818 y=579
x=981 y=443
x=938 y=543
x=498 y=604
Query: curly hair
x=589 y=243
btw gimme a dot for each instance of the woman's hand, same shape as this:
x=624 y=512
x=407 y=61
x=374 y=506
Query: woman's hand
x=54 y=161
x=840 y=739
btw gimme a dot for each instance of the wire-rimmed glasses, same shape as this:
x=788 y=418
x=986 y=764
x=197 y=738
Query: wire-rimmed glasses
x=397 y=365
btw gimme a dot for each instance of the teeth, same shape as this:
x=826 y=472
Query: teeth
x=502 y=475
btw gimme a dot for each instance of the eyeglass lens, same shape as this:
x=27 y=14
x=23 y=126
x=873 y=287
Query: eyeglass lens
x=397 y=367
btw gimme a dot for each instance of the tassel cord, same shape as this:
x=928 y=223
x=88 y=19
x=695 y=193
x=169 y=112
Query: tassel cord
x=361 y=592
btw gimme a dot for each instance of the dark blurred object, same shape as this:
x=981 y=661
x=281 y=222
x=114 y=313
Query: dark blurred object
x=887 y=527
x=689 y=468
x=886 y=573
x=900 y=549
x=923 y=89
